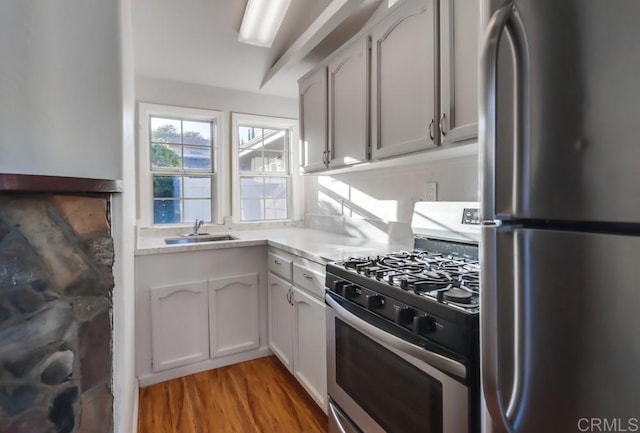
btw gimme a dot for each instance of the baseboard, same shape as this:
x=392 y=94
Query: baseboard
x=174 y=373
x=136 y=402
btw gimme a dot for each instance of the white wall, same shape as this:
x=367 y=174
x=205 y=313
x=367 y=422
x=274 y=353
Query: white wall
x=378 y=203
x=60 y=79
x=166 y=92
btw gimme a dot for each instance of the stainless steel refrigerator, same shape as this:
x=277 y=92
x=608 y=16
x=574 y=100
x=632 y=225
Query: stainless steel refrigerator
x=560 y=180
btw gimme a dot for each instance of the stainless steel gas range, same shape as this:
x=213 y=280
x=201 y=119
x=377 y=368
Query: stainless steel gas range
x=402 y=332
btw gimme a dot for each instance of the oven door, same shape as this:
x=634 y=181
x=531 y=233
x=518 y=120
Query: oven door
x=381 y=383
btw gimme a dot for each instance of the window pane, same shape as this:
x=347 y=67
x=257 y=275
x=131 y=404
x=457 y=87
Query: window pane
x=248 y=136
x=167 y=186
x=275 y=187
x=275 y=209
x=200 y=209
x=197 y=187
x=197 y=157
x=274 y=161
x=165 y=130
x=275 y=139
x=250 y=160
x=251 y=187
x=252 y=210
x=196 y=133
x=166 y=211
x=166 y=155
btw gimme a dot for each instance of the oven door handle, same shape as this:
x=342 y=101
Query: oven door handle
x=340 y=420
x=435 y=360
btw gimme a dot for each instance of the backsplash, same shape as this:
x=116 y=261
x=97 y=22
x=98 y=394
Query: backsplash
x=56 y=283
x=378 y=204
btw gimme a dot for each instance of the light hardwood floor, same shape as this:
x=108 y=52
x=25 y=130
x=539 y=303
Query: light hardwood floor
x=258 y=396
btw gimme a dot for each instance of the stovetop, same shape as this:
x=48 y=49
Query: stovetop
x=449 y=279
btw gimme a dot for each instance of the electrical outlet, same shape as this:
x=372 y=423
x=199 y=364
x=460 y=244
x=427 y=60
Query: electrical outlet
x=431 y=191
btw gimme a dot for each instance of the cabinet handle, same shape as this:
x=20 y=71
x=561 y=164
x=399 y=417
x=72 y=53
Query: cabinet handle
x=277 y=262
x=324 y=160
x=442 y=130
x=431 y=130
x=290 y=296
x=307 y=276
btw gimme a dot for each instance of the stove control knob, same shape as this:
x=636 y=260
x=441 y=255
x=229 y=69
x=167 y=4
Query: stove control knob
x=423 y=324
x=403 y=315
x=379 y=275
x=338 y=286
x=404 y=284
x=375 y=302
x=350 y=291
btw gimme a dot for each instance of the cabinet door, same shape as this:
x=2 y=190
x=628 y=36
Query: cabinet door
x=403 y=81
x=313 y=120
x=310 y=349
x=280 y=319
x=233 y=314
x=179 y=325
x=348 y=105
x=459 y=34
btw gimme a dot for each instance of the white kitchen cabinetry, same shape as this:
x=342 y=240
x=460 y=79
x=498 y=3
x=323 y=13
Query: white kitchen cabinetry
x=313 y=120
x=233 y=314
x=180 y=317
x=280 y=319
x=198 y=310
x=297 y=322
x=404 y=89
x=349 y=105
x=459 y=33
x=310 y=345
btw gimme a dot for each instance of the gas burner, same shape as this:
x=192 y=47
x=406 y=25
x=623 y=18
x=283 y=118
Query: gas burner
x=354 y=262
x=430 y=285
x=458 y=296
x=470 y=281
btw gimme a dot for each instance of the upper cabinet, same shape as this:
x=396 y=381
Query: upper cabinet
x=313 y=120
x=459 y=33
x=407 y=83
x=349 y=105
x=403 y=82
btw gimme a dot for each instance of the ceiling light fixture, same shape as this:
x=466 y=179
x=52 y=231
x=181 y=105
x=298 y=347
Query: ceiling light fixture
x=261 y=21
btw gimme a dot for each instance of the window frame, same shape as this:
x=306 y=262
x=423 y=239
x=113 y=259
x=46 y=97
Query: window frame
x=145 y=172
x=293 y=190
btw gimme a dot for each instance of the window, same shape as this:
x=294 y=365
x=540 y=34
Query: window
x=262 y=154
x=178 y=161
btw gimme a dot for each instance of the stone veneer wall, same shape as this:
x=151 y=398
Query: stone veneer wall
x=56 y=282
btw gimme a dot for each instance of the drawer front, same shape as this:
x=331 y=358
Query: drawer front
x=280 y=266
x=312 y=281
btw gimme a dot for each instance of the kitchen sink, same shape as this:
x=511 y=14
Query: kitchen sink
x=199 y=239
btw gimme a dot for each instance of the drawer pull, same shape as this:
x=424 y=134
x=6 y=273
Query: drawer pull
x=277 y=262
x=308 y=277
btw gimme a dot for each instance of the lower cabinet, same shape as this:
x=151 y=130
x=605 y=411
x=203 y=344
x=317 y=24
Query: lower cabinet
x=180 y=324
x=233 y=314
x=199 y=320
x=310 y=346
x=280 y=319
x=297 y=334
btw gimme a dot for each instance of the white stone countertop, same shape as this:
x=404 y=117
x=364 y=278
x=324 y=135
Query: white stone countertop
x=311 y=244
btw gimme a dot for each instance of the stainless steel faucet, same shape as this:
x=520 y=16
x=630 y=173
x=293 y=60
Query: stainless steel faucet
x=196 y=226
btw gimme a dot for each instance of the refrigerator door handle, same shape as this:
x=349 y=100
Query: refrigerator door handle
x=489 y=323
x=503 y=403
x=505 y=20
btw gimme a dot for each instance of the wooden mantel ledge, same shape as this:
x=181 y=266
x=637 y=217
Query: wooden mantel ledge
x=38 y=183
